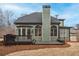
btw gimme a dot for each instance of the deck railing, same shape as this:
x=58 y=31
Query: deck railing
x=22 y=39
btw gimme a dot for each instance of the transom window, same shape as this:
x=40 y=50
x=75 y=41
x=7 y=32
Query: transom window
x=53 y=31
x=38 y=31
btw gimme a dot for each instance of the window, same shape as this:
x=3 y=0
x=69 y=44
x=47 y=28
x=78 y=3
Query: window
x=19 y=32
x=23 y=32
x=53 y=31
x=38 y=30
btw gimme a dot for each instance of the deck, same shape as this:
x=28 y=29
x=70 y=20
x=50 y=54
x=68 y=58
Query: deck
x=25 y=40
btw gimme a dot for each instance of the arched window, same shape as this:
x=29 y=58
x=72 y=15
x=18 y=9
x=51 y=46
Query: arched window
x=53 y=31
x=38 y=30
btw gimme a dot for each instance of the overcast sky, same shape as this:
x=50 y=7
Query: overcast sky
x=68 y=11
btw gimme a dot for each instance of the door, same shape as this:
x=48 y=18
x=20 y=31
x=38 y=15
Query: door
x=29 y=36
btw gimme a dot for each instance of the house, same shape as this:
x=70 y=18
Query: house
x=41 y=28
x=74 y=34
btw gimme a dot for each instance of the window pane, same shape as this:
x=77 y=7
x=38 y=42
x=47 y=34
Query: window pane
x=51 y=32
x=23 y=32
x=19 y=32
x=55 y=32
x=38 y=30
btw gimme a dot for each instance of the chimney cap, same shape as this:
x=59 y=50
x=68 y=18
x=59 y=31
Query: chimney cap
x=46 y=6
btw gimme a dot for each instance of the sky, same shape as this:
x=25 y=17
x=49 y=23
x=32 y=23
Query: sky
x=67 y=11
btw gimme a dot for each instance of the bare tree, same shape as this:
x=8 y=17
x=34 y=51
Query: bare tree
x=1 y=18
x=9 y=15
x=6 y=17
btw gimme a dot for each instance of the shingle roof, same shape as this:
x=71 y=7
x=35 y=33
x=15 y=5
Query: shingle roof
x=35 y=17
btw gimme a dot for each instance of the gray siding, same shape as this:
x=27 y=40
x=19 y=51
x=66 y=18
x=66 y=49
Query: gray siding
x=64 y=34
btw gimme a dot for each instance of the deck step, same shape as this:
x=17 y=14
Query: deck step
x=51 y=42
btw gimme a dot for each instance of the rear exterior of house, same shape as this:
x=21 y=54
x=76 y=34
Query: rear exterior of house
x=41 y=28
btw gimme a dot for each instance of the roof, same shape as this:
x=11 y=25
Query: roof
x=61 y=19
x=35 y=17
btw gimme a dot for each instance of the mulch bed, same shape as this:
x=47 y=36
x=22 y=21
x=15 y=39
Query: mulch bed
x=4 y=50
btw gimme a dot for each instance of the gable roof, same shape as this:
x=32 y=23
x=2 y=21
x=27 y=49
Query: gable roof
x=35 y=17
